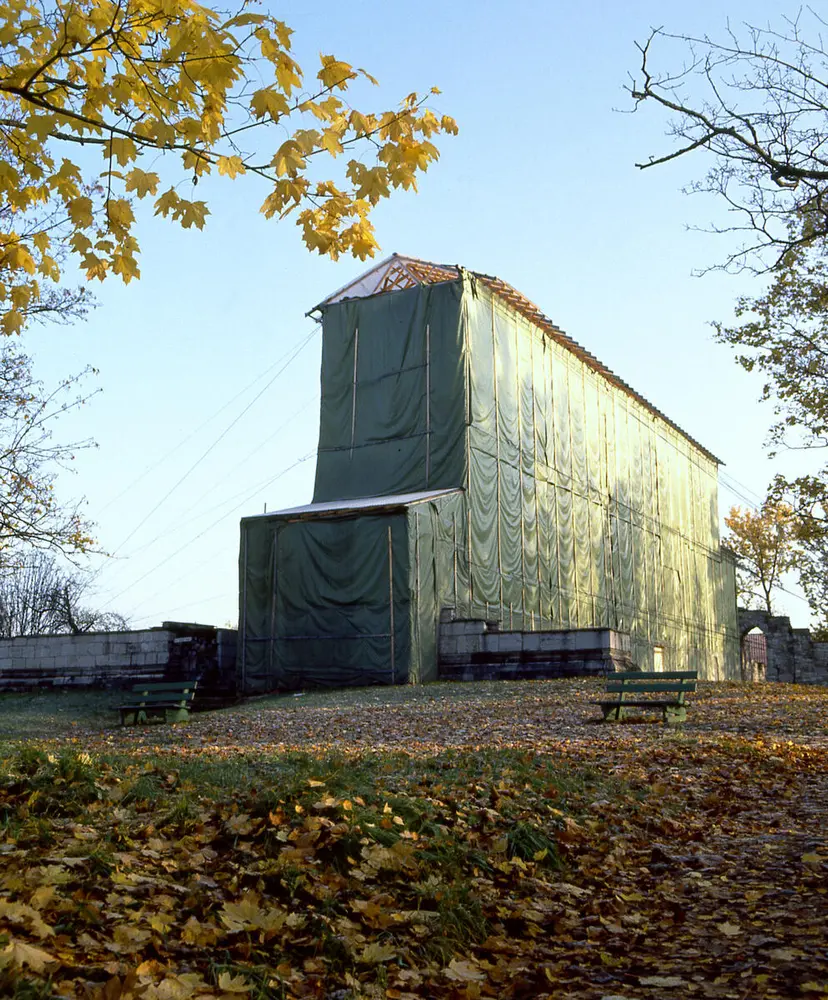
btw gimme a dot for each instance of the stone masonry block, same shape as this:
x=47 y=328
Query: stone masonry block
x=550 y=642
x=508 y=642
x=449 y=645
x=474 y=627
x=587 y=639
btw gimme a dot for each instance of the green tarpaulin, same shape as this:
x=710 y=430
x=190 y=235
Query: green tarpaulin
x=573 y=504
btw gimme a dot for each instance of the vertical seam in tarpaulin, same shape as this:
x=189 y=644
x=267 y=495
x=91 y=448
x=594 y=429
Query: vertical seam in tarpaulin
x=428 y=404
x=497 y=473
x=354 y=393
x=571 y=471
x=391 y=604
x=454 y=555
x=656 y=563
x=435 y=523
x=417 y=625
x=593 y=569
x=271 y=645
x=536 y=475
x=519 y=402
x=610 y=546
x=632 y=602
x=641 y=534
x=243 y=672
x=468 y=390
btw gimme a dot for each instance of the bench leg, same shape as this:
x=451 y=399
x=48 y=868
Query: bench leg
x=613 y=714
x=176 y=715
x=127 y=717
x=675 y=715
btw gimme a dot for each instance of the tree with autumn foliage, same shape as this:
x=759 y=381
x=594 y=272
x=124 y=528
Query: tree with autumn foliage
x=181 y=84
x=98 y=100
x=782 y=335
x=767 y=545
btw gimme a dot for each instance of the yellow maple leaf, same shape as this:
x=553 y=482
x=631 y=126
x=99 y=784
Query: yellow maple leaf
x=288 y=159
x=18 y=954
x=230 y=166
x=12 y=322
x=41 y=126
x=335 y=73
x=375 y=953
x=192 y=213
x=233 y=984
x=167 y=202
x=247 y=914
x=122 y=149
x=20 y=913
x=269 y=102
x=80 y=211
x=203 y=935
x=119 y=213
x=141 y=183
x=463 y=971
x=128 y=939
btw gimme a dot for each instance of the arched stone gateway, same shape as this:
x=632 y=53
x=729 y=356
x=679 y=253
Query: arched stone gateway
x=754 y=655
x=790 y=654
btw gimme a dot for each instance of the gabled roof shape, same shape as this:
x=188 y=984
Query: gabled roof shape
x=397 y=272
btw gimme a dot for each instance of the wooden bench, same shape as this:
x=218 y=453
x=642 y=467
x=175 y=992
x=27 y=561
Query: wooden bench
x=627 y=688
x=168 y=701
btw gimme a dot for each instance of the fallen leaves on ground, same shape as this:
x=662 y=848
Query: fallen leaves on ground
x=410 y=850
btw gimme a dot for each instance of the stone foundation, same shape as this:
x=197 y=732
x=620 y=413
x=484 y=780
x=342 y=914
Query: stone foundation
x=474 y=650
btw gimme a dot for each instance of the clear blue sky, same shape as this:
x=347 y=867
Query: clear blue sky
x=539 y=188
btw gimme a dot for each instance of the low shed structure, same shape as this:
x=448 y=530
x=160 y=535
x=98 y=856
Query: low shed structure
x=474 y=459
x=345 y=592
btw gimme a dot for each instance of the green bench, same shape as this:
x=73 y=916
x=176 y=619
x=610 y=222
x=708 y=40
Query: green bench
x=167 y=701
x=628 y=687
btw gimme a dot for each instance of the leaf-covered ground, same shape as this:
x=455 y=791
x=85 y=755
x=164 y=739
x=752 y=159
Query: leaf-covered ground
x=459 y=841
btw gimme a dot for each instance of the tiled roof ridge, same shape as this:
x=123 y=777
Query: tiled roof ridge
x=528 y=309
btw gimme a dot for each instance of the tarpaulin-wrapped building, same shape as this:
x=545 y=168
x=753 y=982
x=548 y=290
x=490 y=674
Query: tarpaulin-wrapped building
x=473 y=457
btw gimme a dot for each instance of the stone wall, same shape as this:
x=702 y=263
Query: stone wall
x=793 y=656
x=176 y=650
x=92 y=659
x=472 y=649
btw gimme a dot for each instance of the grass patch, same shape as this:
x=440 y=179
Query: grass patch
x=31 y=715
x=319 y=857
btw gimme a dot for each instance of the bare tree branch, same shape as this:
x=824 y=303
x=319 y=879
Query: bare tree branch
x=757 y=106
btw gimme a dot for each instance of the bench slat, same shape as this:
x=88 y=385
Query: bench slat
x=160 y=696
x=640 y=703
x=166 y=686
x=653 y=686
x=641 y=675
x=157 y=702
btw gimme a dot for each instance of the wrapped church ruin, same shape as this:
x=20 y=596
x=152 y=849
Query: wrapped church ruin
x=476 y=463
